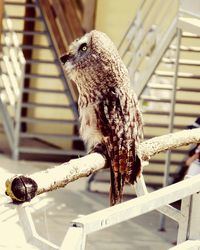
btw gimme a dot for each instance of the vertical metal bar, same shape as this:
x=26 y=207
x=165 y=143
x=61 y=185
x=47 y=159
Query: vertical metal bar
x=75 y=239
x=27 y=40
x=30 y=233
x=194 y=222
x=8 y=125
x=140 y=186
x=171 y=120
x=184 y=222
x=18 y=113
x=26 y=221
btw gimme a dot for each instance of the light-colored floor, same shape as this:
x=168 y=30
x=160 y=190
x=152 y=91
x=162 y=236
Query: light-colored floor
x=53 y=211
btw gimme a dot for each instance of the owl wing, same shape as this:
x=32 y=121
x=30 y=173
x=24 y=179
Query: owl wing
x=135 y=124
x=138 y=118
x=114 y=121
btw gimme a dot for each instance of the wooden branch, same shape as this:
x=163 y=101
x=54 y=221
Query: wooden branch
x=61 y=175
x=170 y=141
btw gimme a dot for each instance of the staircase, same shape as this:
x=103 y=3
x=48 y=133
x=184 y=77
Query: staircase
x=11 y=81
x=163 y=60
x=38 y=103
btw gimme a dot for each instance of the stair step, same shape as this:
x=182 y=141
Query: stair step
x=39 y=76
x=27 y=32
x=36 y=61
x=186 y=48
x=29 y=47
x=153 y=112
x=163 y=86
x=42 y=76
x=189 y=24
x=155 y=99
x=29 y=19
x=36 y=46
x=158 y=125
x=180 y=74
x=161 y=162
x=45 y=120
x=37 y=90
x=181 y=61
x=45 y=135
x=50 y=151
x=152 y=173
x=19 y=3
x=190 y=35
x=45 y=105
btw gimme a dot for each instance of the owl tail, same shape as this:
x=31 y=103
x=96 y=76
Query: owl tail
x=118 y=180
x=116 y=187
x=135 y=171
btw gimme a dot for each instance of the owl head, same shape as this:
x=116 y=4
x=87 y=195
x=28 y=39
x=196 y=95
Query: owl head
x=93 y=61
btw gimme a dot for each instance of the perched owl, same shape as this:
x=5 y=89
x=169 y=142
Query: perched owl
x=111 y=121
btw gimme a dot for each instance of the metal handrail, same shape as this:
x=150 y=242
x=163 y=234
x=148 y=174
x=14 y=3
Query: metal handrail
x=75 y=238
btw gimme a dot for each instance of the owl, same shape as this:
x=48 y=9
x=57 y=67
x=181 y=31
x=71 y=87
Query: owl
x=110 y=118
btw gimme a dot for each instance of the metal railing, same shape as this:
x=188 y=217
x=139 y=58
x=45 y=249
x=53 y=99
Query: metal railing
x=186 y=190
x=12 y=65
x=187 y=217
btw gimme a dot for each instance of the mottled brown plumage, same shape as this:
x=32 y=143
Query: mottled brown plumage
x=108 y=108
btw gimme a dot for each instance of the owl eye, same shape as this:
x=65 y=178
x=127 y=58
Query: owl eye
x=83 y=47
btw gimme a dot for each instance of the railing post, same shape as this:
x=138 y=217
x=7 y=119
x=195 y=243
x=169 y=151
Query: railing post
x=29 y=230
x=171 y=119
x=75 y=239
x=189 y=227
x=184 y=222
x=194 y=226
x=15 y=152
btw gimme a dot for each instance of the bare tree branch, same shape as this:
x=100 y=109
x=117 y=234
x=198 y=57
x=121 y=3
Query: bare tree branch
x=61 y=175
x=158 y=144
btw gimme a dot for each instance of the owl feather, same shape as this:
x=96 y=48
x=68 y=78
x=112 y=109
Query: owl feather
x=109 y=111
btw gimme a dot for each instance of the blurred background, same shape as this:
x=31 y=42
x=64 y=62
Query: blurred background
x=159 y=42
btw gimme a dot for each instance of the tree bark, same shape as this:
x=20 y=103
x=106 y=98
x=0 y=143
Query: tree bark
x=60 y=176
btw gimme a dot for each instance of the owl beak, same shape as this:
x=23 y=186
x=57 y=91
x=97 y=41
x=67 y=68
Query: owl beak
x=64 y=58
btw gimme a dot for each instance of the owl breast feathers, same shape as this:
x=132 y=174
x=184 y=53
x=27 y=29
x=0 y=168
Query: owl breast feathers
x=109 y=111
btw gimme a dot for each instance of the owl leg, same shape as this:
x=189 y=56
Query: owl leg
x=101 y=149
